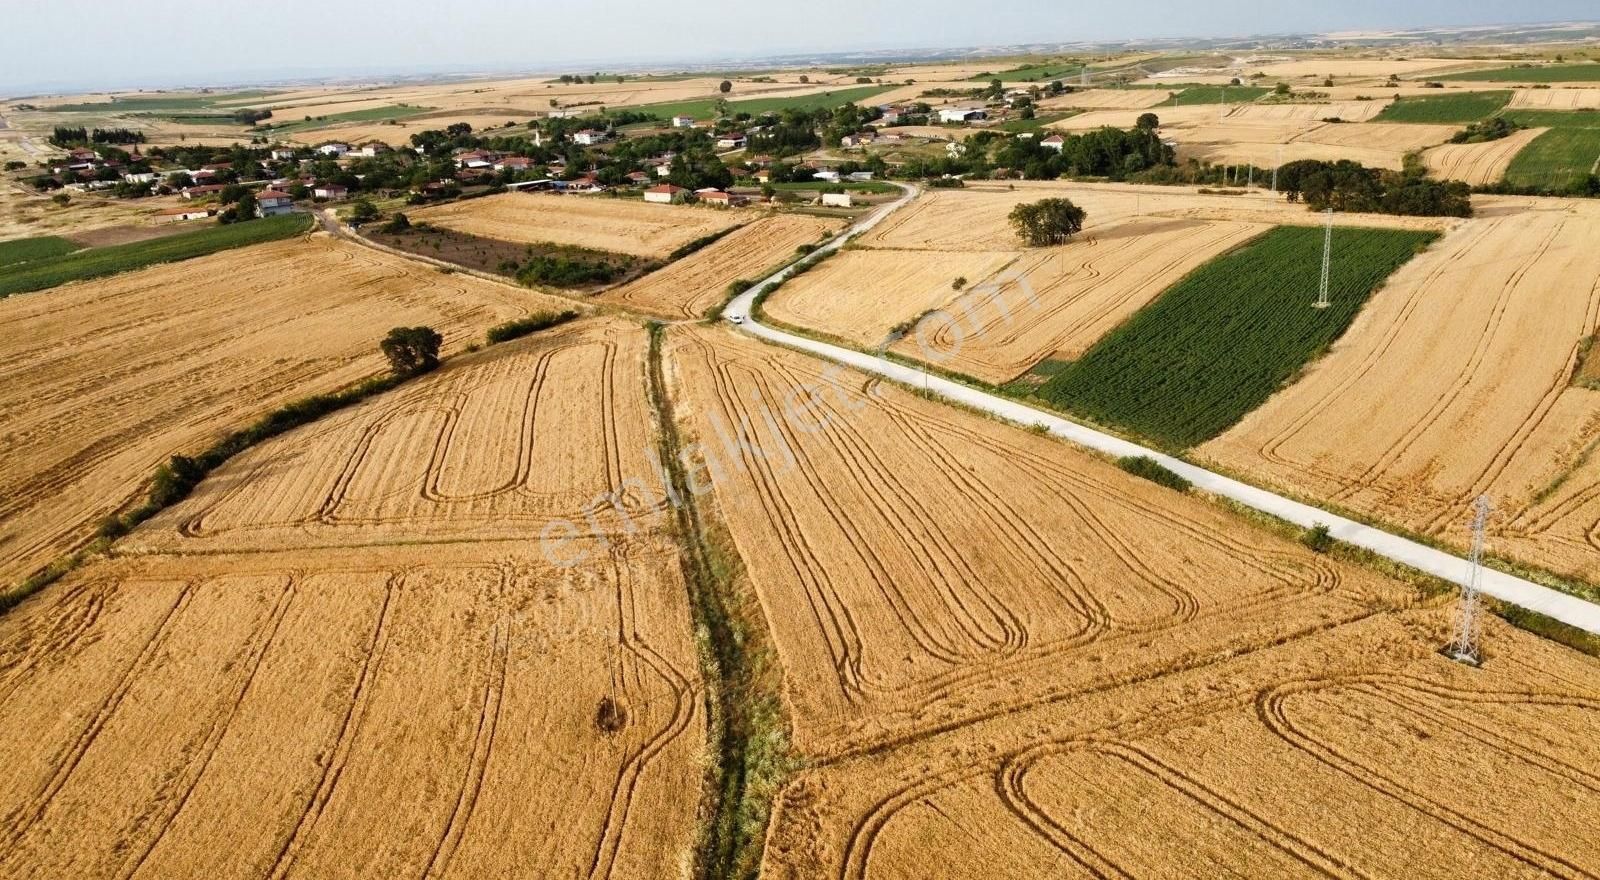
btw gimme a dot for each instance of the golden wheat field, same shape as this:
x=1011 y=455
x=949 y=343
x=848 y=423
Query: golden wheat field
x=639 y=229
x=1356 y=750
x=1555 y=99
x=690 y=287
x=1107 y=99
x=1479 y=164
x=913 y=580
x=385 y=675
x=1464 y=372
x=110 y=377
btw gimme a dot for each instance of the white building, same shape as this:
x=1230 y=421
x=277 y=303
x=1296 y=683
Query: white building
x=836 y=200
x=665 y=194
x=683 y=122
x=271 y=203
x=731 y=142
x=334 y=149
x=1054 y=142
x=963 y=114
x=828 y=176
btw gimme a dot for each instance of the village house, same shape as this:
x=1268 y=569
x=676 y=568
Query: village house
x=513 y=163
x=333 y=192
x=334 y=149
x=732 y=141
x=861 y=176
x=859 y=139
x=476 y=159
x=638 y=178
x=589 y=137
x=178 y=215
x=836 y=200
x=683 y=122
x=140 y=177
x=283 y=154
x=718 y=199
x=196 y=192
x=665 y=194
x=763 y=176
x=372 y=150
x=963 y=114
x=271 y=203
x=1054 y=142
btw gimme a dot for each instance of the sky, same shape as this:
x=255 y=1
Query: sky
x=46 y=44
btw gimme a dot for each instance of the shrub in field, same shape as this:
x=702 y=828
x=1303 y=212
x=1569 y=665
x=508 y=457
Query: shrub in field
x=1318 y=538
x=1148 y=468
x=531 y=324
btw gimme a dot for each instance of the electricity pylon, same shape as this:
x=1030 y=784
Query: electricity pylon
x=1327 y=261
x=1465 y=646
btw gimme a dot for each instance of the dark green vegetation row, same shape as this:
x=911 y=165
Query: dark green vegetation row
x=1214 y=95
x=98 y=262
x=31 y=250
x=706 y=107
x=1221 y=341
x=1561 y=158
x=1445 y=109
x=1553 y=73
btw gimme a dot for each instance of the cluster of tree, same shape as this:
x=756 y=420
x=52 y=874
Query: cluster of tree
x=564 y=271
x=250 y=115
x=1488 y=130
x=1351 y=186
x=1107 y=152
x=65 y=136
x=1047 y=222
x=591 y=79
x=411 y=350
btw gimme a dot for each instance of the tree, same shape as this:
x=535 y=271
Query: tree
x=726 y=87
x=363 y=211
x=1047 y=222
x=245 y=207
x=411 y=350
x=1147 y=122
x=1281 y=89
x=804 y=78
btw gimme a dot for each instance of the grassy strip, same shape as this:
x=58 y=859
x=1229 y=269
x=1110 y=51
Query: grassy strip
x=1563 y=157
x=705 y=108
x=749 y=731
x=1445 y=109
x=1214 y=95
x=532 y=324
x=703 y=241
x=100 y=262
x=147 y=104
x=1145 y=467
x=1551 y=73
x=371 y=114
x=29 y=250
x=1220 y=342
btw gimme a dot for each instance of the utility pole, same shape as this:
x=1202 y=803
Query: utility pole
x=1275 y=167
x=1327 y=261
x=1465 y=647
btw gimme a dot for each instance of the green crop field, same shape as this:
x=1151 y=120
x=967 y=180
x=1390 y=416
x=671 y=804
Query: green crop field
x=1562 y=158
x=1552 y=73
x=1214 y=95
x=99 y=262
x=1446 y=108
x=160 y=103
x=704 y=108
x=371 y=114
x=28 y=250
x=1062 y=70
x=1218 y=343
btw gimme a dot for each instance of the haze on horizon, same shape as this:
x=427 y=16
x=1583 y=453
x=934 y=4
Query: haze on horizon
x=167 y=43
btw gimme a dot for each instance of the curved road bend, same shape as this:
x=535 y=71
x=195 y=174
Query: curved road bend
x=1509 y=588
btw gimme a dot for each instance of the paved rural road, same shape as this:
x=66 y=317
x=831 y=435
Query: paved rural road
x=1567 y=609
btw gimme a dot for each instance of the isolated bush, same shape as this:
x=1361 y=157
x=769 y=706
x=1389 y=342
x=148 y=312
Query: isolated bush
x=609 y=716
x=1318 y=538
x=411 y=350
x=1148 y=468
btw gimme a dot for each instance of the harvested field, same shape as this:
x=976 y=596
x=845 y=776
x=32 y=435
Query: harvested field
x=1107 y=99
x=624 y=227
x=1555 y=99
x=861 y=295
x=1479 y=164
x=1057 y=303
x=1169 y=116
x=110 y=377
x=1363 y=68
x=1460 y=372
x=1384 y=136
x=423 y=709
x=1349 y=111
x=914 y=583
x=1356 y=750
x=690 y=287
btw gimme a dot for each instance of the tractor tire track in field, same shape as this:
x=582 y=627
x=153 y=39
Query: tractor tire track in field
x=20 y=821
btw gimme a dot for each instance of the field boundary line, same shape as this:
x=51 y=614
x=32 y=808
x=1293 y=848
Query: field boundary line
x=1562 y=607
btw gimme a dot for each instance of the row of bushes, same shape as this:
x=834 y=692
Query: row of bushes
x=531 y=324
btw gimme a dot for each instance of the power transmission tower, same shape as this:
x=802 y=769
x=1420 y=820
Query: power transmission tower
x=1083 y=75
x=1275 y=167
x=1327 y=261
x=1465 y=647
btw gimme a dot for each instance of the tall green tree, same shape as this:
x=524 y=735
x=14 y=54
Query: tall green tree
x=1047 y=222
